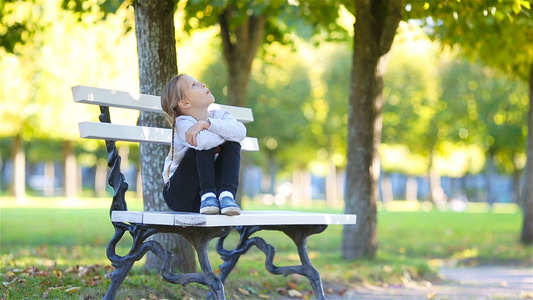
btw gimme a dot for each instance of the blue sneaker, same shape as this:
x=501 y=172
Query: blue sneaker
x=210 y=206
x=229 y=207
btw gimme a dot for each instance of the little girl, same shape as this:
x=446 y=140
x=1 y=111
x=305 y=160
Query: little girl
x=201 y=171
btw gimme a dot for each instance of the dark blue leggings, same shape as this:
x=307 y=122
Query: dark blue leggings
x=199 y=173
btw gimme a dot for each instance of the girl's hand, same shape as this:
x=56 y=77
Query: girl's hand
x=190 y=135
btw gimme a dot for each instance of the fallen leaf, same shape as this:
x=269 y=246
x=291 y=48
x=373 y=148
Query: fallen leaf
x=431 y=296
x=342 y=292
x=73 y=290
x=244 y=291
x=57 y=273
x=43 y=274
x=263 y=296
x=281 y=291
x=291 y=285
x=295 y=294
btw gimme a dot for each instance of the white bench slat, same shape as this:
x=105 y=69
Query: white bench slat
x=113 y=98
x=130 y=133
x=247 y=218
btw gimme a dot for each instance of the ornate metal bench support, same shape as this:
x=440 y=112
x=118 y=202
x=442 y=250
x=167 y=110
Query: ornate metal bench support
x=299 y=235
x=198 y=237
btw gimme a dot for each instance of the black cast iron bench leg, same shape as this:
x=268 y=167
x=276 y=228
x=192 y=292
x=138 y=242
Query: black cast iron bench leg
x=299 y=235
x=199 y=237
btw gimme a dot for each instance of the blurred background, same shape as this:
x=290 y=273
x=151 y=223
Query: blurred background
x=454 y=129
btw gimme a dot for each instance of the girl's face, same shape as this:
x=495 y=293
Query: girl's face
x=196 y=93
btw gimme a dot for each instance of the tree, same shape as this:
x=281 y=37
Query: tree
x=500 y=33
x=246 y=25
x=29 y=63
x=413 y=110
x=374 y=31
x=487 y=109
x=242 y=30
x=19 y=119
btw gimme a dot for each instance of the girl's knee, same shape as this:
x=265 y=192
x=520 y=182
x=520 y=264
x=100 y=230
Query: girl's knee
x=233 y=145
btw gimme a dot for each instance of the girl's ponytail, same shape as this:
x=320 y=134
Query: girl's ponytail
x=170 y=97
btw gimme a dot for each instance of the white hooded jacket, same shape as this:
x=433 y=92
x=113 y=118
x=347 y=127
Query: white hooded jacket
x=224 y=127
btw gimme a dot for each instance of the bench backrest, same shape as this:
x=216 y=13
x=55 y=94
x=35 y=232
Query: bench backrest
x=141 y=102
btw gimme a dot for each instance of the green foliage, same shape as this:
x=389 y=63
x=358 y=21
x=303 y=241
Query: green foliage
x=81 y=7
x=20 y=23
x=498 y=32
x=306 y=18
x=487 y=109
x=437 y=101
x=412 y=93
x=65 y=54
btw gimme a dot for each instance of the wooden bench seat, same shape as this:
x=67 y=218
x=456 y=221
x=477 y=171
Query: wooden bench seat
x=247 y=218
x=198 y=229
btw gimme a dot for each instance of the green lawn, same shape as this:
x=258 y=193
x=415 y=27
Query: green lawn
x=59 y=253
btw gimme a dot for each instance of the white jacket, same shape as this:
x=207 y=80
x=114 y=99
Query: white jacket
x=224 y=127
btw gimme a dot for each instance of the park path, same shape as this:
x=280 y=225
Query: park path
x=458 y=283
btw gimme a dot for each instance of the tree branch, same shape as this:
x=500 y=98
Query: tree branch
x=225 y=34
x=256 y=34
x=394 y=11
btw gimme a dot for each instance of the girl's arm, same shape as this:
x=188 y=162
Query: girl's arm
x=203 y=140
x=225 y=125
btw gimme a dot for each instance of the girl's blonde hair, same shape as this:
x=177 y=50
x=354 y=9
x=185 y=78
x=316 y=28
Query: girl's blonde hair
x=171 y=95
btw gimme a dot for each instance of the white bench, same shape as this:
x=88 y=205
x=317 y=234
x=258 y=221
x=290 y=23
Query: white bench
x=196 y=228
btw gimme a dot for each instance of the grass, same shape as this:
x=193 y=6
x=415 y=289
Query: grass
x=55 y=248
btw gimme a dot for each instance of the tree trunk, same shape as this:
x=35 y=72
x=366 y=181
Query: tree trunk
x=70 y=166
x=411 y=189
x=374 y=30
x=387 y=192
x=489 y=175
x=49 y=179
x=240 y=49
x=19 y=169
x=332 y=198
x=516 y=184
x=301 y=188
x=436 y=193
x=139 y=191
x=272 y=173
x=527 y=190
x=156 y=47
x=100 y=178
